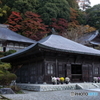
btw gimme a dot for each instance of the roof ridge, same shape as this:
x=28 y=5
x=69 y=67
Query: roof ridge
x=45 y=38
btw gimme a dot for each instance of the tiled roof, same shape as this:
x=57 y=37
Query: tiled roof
x=58 y=43
x=90 y=38
x=7 y=34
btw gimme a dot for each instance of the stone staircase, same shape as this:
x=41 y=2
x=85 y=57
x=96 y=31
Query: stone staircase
x=87 y=86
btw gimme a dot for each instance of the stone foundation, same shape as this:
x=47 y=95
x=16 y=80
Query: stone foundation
x=50 y=87
x=46 y=87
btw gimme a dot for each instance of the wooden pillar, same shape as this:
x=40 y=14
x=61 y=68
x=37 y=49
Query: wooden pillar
x=56 y=68
x=85 y=73
x=69 y=70
x=90 y=73
x=44 y=71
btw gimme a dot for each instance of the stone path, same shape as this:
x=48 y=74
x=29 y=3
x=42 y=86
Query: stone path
x=57 y=95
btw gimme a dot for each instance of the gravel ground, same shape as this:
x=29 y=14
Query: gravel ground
x=57 y=95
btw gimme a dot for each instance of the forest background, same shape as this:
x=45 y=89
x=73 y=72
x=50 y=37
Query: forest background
x=36 y=19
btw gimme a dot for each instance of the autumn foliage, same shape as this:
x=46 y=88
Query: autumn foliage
x=60 y=25
x=33 y=26
x=14 y=21
x=29 y=25
x=73 y=19
x=89 y=29
x=78 y=32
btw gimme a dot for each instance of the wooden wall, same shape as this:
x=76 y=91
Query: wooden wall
x=63 y=65
x=38 y=71
x=31 y=73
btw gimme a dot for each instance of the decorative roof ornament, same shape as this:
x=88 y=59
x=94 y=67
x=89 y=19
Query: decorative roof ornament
x=53 y=31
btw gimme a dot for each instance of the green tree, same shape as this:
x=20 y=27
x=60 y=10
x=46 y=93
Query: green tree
x=93 y=16
x=73 y=3
x=9 y=3
x=81 y=17
x=25 y=5
x=54 y=9
x=4 y=12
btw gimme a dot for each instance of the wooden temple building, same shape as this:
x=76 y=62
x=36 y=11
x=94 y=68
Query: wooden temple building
x=10 y=40
x=55 y=56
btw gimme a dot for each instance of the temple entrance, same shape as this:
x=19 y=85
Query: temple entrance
x=76 y=72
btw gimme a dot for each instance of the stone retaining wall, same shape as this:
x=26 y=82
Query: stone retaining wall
x=50 y=87
x=36 y=87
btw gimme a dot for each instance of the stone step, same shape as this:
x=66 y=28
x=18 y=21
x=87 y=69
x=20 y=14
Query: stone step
x=87 y=86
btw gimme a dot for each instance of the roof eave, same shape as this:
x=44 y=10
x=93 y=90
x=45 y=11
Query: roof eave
x=68 y=51
x=11 y=56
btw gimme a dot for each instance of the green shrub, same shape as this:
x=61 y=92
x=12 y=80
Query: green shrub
x=5 y=76
x=7 y=53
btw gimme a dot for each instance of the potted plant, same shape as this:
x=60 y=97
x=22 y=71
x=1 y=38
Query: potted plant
x=95 y=79
x=58 y=80
x=98 y=79
x=54 y=80
x=67 y=80
x=61 y=80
